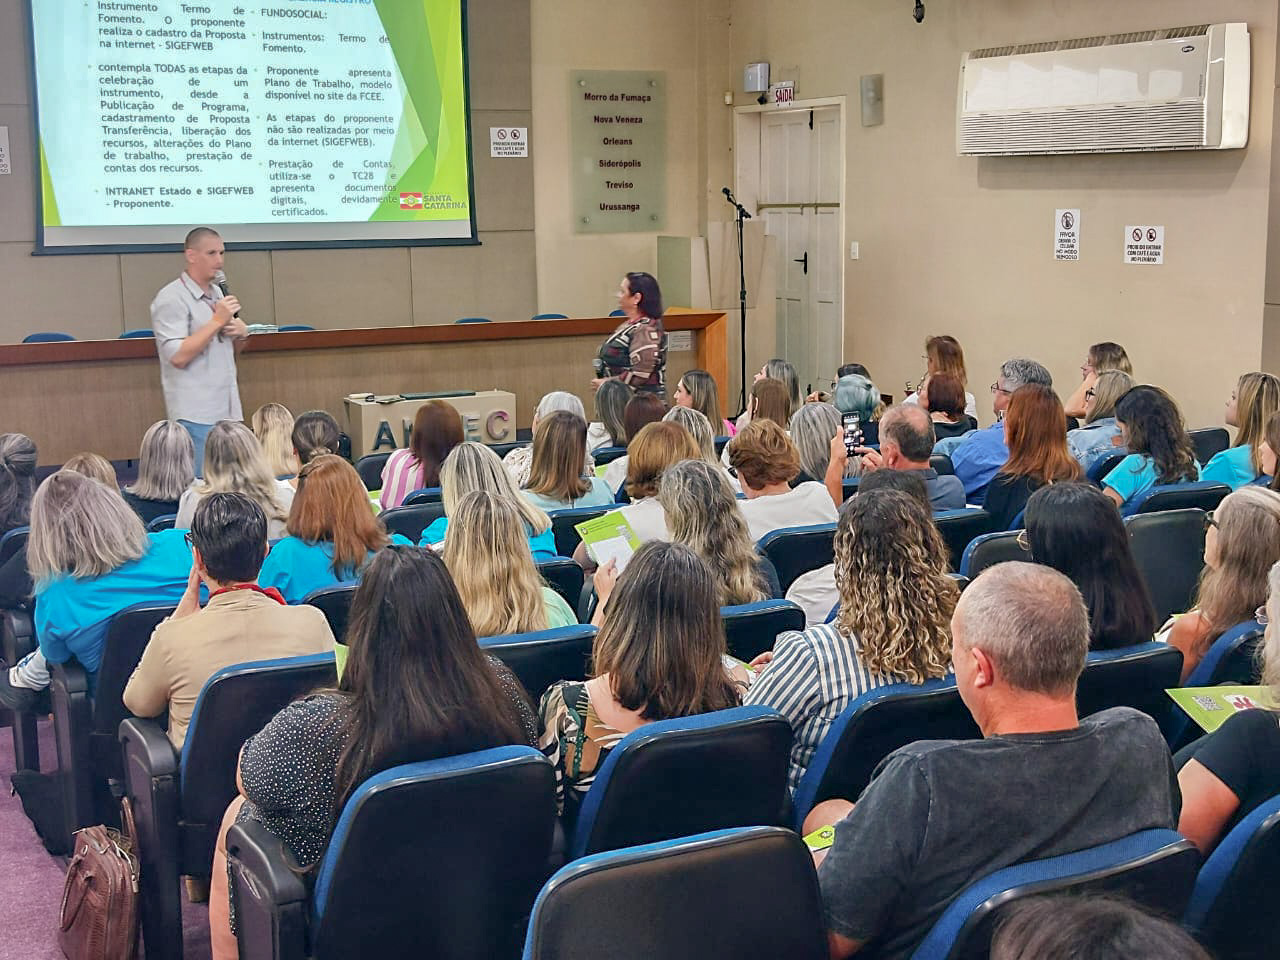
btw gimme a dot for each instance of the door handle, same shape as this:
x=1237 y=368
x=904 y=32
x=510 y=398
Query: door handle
x=804 y=261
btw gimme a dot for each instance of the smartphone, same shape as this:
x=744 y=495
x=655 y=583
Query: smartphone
x=852 y=423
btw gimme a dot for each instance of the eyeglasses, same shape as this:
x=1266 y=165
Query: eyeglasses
x=996 y=388
x=1090 y=393
x=1024 y=541
x=1261 y=615
x=1209 y=521
x=187 y=537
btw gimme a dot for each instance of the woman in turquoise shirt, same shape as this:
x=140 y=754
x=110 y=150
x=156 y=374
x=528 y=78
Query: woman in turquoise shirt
x=473 y=466
x=1151 y=426
x=556 y=475
x=332 y=532
x=1253 y=402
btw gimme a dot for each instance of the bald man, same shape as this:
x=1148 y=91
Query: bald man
x=906 y=443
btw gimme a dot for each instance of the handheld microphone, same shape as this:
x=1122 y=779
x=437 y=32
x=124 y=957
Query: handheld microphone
x=220 y=278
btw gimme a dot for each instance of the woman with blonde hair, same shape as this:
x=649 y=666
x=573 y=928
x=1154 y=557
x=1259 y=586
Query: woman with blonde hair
x=1102 y=357
x=696 y=390
x=558 y=475
x=488 y=556
x=332 y=532
x=699 y=428
x=166 y=467
x=1253 y=402
x=473 y=466
x=1100 y=435
x=703 y=515
x=894 y=623
x=1241 y=544
x=656 y=448
x=234 y=463
x=273 y=426
x=95 y=467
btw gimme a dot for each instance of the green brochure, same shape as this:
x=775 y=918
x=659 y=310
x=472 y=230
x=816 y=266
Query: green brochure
x=1210 y=706
x=609 y=537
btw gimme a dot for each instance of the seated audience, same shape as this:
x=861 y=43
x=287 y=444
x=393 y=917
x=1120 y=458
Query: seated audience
x=941 y=814
x=90 y=557
x=659 y=655
x=437 y=429
x=488 y=556
x=641 y=410
x=608 y=429
x=332 y=533
x=1267 y=455
x=978 y=456
x=785 y=373
x=1254 y=401
x=1160 y=450
x=812 y=428
x=18 y=459
x=314 y=433
x=520 y=460
x=697 y=391
x=1241 y=543
x=699 y=428
x=893 y=626
x=240 y=623
x=1102 y=357
x=857 y=394
x=1075 y=529
x=1225 y=775
x=416 y=687
x=766 y=462
x=815 y=591
x=273 y=426
x=906 y=443
x=943 y=395
x=1067 y=927
x=558 y=475
x=1035 y=431
x=1100 y=435
x=234 y=463
x=943 y=354
x=95 y=467
x=166 y=467
x=703 y=514
x=770 y=401
x=473 y=466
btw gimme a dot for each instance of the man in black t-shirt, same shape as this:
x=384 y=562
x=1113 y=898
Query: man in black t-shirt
x=939 y=815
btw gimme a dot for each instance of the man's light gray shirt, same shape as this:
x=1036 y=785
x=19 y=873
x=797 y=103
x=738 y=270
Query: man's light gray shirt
x=206 y=391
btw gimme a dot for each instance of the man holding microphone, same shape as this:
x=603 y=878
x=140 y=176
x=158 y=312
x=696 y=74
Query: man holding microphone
x=198 y=334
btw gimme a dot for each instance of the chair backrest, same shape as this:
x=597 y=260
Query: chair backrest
x=541 y=657
x=721 y=443
x=144 y=333
x=473 y=320
x=1209 y=441
x=751 y=628
x=603 y=455
x=1232 y=909
x=685 y=899
x=50 y=337
x=13 y=541
x=1231 y=658
x=502 y=449
x=849 y=487
x=466 y=840
x=1177 y=496
x=564 y=576
x=335 y=603
x=1154 y=868
x=872 y=727
x=1104 y=465
x=550 y=316
x=410 y=521
x=1168 y=548
x=370 y=469
x=425 y=495
x=942 y=465
x=1135 y=676
x=563 y=523
x=234 y=704
x=673 y=778
x=616 y=313
x=163 y=522
x=294 y=328
x=128 y=633
x=797 y=550
x=958 y=527
x=990 y=549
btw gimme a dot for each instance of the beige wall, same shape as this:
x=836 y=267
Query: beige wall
x=963 y=246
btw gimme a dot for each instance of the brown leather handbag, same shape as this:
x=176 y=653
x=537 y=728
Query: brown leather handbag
x=100 y=899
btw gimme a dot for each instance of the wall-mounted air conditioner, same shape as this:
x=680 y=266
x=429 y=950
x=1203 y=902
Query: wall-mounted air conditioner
x=1183 y=88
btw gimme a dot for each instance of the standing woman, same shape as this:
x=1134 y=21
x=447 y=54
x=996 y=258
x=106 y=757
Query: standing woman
x=1253 y=402
x=636 y=353
x=943 y=354
x=697 y=390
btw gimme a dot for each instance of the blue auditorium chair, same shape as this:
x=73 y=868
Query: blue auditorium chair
x=942 y=465
x=990 y=549
x=616 y=313
x=872 y=727
x=425 y=495
x=686 y=899
x=1209 y=441
x=50 y=337
x=1104 y=465
x=673 y=778
x=1230 y=659
x=410 y=521
x=563 y=523
x=502 y=449
x=751 y=628
x=541 y=657
x=179 y=798
x=1168 y=548
x=473 y=320
x=1203 y=494
x=335 y=603
x=721 y=443
x=850 y=487
x=17 y=639
x=564 y=576
x=1153 y=868
x=162 y=522
x=550 y=316
x=797 y=550
x=145 y=333
x=958 y=527
x=370 y=469
x=603 y=455
x=295 y=328
x=1233 y=905
x=442 y=858
x=1135 y=676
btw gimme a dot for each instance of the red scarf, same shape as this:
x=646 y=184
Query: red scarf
x=271 y=592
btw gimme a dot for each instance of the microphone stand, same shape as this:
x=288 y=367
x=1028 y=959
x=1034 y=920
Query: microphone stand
x=741 y=216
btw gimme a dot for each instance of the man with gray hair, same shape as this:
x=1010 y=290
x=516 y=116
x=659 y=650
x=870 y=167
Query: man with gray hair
x=939 y=815
x=906 y=443
x=979 y=455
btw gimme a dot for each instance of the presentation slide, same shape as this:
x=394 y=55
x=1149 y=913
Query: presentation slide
x=280 y=123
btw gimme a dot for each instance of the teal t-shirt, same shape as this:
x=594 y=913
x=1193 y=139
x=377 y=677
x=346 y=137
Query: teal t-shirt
x=559 y=613
x=1233 y=466
x=598 y=496
x=1133 y=475
x=298 y=567
x=543 y=545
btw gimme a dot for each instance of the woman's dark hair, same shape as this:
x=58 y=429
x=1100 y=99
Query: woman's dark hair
x=853 y=368
x=1155 y=427
x=946 y=395
x=230 y=531
x=417 y=685
x=641 y=410
x=315 y=432
x=1098 y=928
x=1076 y=529
x=611 y=405
x=437 y=429
x=17 y=480
x=650 y=304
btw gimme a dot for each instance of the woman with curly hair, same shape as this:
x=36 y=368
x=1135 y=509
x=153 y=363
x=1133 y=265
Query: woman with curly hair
x=894 y=623
x=1160 y=450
